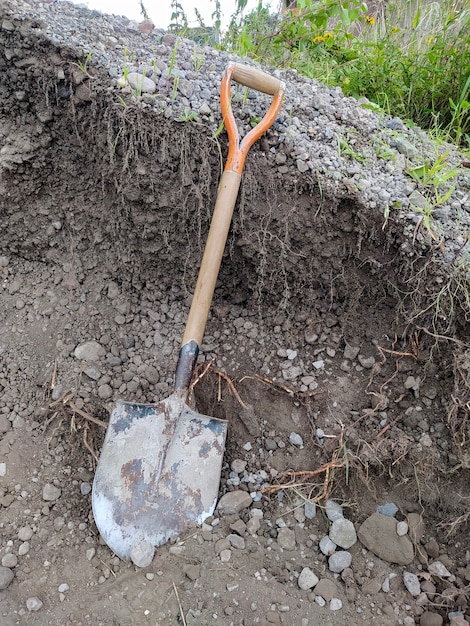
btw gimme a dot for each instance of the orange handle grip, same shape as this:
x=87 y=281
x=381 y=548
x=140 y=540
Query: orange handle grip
x=257 y=80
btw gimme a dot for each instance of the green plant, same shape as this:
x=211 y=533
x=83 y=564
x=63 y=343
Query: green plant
x=433 y=175
x=187 y=116
x=198 y=60
x=83 y=65
x=345 y=149
x=174 y=87
x=411 y=60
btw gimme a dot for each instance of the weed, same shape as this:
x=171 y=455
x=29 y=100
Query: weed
x=198 y=60
x=187 y=116
x=174 y=88
x=83 y=65
x=345 y=149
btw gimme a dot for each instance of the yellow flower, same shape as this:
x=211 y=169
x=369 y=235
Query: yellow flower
x=328 y=36
x=319 y=39
x=395 y=29
x=430 y=40
x=370 y=19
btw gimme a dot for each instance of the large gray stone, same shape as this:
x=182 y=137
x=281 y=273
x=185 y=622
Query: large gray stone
x=379 y=535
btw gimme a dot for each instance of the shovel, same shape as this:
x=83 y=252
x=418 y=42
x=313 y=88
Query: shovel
x=159 y=468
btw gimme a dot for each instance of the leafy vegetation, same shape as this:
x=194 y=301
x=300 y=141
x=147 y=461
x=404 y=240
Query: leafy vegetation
x=412 y=59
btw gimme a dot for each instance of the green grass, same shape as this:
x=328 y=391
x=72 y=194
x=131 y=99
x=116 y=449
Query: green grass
x=412 y=61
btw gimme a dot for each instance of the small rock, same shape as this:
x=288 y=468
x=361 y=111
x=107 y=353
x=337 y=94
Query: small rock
x=25 y=533
x=339 y=561
x=146 y=27
x=192 y=571
x=430 y=619
x=233 y=502
x=238 y=466
x=225 y=556
x=50 y=493
x=326 y=588
x=343 y=533
x=390 y=509
x=402 y=529
x=307 y=579
x=367 y=362
x=320 y=600
x=296 y=440
x=24 y=548
x=327 y=546
x=142 y=553
x=63 y=588
x=33 y=604
x=416 y=527
x=333 y=510
x=335 y=604
x=253 y=525
x=439 y=569
x=286 y=539
x=6 y=576
x=310 y=510
x=140 y=83
x=350 y=352
x=89 y=351
x=236 y=541
x=10 y=560
x=411 y=582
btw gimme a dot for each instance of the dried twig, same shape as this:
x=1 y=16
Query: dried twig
x=183 y=619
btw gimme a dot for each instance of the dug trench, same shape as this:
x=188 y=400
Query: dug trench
x=323 y=350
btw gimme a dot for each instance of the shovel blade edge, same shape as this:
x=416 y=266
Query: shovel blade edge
x=152 y=481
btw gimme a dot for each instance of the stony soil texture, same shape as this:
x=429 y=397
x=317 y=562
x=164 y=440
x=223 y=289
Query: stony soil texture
x=337 y=346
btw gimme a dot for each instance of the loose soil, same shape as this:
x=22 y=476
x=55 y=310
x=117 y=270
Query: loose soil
x=321 y=320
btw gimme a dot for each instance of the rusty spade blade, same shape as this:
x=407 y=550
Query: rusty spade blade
x=165 y=479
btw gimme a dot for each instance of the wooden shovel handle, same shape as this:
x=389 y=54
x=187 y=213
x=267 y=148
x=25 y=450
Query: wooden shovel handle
x=223 y=211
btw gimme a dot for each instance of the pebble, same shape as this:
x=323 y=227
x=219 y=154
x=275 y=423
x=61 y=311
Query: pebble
x=142 y=553
x=89 y=351
x=286 y=539
x=50 y=493
x=310 y=510
x=192 y=571
x=402 y=529
x=339 y=561
x=225 y=556
x=25 y=533
x=34 y=604
x=429 y=618
x=6 y=576
x=343 y=533
x=327 y=546
x=307 y=579
x=390 y=509
x=333 y=510
x=296 y=440
x=10 y=560
x=24 y=548
x=411 y=582
x=439 y=569
x=233 y=502
x=63 y=588
x=236 y=541
x=335 y=604
x=327 y=589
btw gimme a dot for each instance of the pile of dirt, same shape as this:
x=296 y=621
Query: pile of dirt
x=338 y=345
